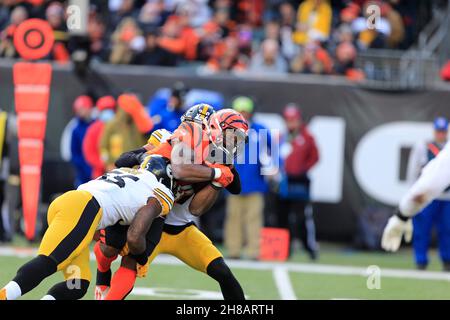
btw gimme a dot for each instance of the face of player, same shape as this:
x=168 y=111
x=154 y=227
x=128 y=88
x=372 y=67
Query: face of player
x=440 y=136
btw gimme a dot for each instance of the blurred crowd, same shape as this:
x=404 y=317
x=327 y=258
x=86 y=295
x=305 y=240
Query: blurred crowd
x=263 y=36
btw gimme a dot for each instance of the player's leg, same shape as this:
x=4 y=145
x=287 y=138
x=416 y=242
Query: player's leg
x=72 y=220
x=443 y=228
x=77 y=279
x=196 y=250
x=233 y=226
x=106 y=250
x=122 y=282
x=253 y=223
x=305 y=227
x=422 y=226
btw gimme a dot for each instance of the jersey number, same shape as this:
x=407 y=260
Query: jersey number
x=118 y=179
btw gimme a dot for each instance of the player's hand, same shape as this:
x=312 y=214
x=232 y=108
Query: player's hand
x=226 y=176
x=394 y=231
x=141 y=270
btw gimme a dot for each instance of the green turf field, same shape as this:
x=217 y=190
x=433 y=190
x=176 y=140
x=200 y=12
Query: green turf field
x=339 y=274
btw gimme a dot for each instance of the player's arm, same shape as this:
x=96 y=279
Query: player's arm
x=184 y=170
x=435 y=178
x=131 y=158
x=204 y=199
x=136 y=235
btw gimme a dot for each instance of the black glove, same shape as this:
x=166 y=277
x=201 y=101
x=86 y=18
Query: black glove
x=129 y=159
x=235 y=186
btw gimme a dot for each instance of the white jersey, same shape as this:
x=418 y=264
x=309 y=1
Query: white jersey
x=180 y=214
x=433 y=180
x=122 y=192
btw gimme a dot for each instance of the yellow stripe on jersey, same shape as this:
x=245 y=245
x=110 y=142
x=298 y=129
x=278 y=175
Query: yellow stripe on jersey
x=165 y=201
x=163 y=194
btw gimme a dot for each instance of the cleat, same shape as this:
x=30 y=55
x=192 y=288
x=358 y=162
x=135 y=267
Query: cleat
x=101 y=292
x=3 y=294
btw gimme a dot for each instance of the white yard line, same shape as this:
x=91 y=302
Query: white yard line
x=269 y=266
x=284 y=285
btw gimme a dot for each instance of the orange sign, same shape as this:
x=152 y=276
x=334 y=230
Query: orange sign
x=274 y=244
x=31 y=95
x=33 y=39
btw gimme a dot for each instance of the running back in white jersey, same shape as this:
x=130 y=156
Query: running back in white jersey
x=122 y=192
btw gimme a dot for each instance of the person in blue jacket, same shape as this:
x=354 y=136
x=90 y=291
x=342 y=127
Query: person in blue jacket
x=245 y=212
x=82 y=107
x=166 y=112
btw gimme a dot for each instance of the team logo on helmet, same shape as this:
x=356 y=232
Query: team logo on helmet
x=200 y=113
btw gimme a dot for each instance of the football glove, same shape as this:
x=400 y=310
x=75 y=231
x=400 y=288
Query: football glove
x=395 y=229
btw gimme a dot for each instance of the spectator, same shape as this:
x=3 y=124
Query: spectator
x=99 y=46
x=8 y=130
x=55 y=17
x=437 y=213
x=125 y=39
x=244 y=218
x=268 y=60
x=153 y=54
x=82 y=108
x=300 y=154
x=121 y=9
x=7 y=49
x=91 y=145
x=312 y=59
x=287 y=15
x=345 y=58
x=395 y=20
x=371 y=37
x=126 y=131
x=227 y=57
x=167 y=114
x=313 y=21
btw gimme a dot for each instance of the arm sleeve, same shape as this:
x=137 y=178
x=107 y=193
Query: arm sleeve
x=434 y=179
x=415 y=162
x=313 y=155
x=90 y=152
x=235 y=186
x=75 y=148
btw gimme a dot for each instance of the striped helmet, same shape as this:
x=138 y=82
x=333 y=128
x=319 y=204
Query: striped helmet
x=199 y=113
x=159 y=136
x=228 y=130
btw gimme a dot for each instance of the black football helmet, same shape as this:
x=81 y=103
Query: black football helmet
x=160 y=167
x=199 y=113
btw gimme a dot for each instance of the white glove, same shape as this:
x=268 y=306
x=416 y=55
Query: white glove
x=394 y=231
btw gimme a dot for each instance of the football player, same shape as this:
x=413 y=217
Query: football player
x=181 y=237
x=119 y=195
x=434 y=179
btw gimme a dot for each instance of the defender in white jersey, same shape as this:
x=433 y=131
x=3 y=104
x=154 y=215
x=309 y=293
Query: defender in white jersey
x=73 y=218
x=433 y=181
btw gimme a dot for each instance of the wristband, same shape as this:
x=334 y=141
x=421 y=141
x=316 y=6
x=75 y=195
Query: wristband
x=216 y=185
x=217 y=173
x=401 y=216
